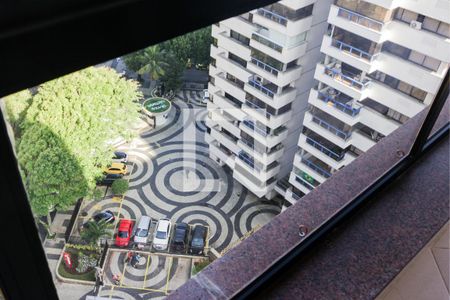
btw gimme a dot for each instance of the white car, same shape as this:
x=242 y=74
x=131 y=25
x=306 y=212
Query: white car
x=205 y=96
x=142 y=231
x=162 y=234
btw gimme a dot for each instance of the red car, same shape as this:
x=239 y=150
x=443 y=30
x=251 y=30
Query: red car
x=124 y=234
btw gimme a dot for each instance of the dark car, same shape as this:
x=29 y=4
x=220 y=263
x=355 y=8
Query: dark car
x=109 y=179
x=120 y=157
x=107 y=216
x=198 y=240
x=180 y=237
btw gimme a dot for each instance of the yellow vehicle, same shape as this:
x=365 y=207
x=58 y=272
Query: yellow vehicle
x=116 y=168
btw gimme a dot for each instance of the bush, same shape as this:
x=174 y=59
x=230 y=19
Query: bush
x=85 y=262
x=200 y=265
x=97 y=195
x=119 y=186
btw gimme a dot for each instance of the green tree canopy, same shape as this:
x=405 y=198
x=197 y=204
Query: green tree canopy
x=173 y=78
x=16 y=107
x=67 y=131
x=154 y=62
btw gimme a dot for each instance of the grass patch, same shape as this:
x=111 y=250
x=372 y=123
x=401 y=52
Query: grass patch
x=199 y=266
x=89 y=276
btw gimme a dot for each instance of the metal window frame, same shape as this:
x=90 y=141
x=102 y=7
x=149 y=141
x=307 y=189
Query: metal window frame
x=57 y=38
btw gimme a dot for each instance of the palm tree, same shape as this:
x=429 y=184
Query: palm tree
x=92 y=233
x=154 y=61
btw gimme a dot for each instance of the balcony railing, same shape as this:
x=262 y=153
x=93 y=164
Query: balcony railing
x=264 y=66
x=334 y=130
x=346 y=79
x=325 y=150
x=315 y=167
x=258 y=109
x=246 y=159
x=348 y=109
x=252 y=126
x=257 y=85
x=360 y=19
x=272 y=16
x=265 y=41
x=303 y=182
x=353 y=50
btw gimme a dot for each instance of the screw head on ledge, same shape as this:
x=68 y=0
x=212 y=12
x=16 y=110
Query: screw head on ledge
x=302 y=230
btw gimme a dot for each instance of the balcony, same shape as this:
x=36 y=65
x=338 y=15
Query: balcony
x=228 y=106
x=232 y=67
x=258 y=170
x=222 y=120
x=356 y=23
x=247 y=179
x=333 y=129
x=225 y=140
x=314 y=166
x=268 y=140
x=272 y=16
x=268 y=90
x=234 y=46
x=348 y=108
x=328 y=152
x=219 y=152
x=352 y=80
x=360 y=19
x=229 y=86
x=239 y=24
x=265 y=158
x=277 y=49
x=278 y=77
x=349 y=84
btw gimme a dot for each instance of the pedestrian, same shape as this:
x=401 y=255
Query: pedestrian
x=116 y=279
x=128 y=256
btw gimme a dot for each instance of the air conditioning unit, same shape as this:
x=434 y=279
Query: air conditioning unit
x=258 y=78
x=416 y=25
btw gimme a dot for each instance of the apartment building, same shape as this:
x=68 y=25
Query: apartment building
x=384 y=61
x=262 y=69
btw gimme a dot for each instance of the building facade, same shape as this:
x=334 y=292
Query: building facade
x=383 y=63
x=261 y=72
x=299 y=89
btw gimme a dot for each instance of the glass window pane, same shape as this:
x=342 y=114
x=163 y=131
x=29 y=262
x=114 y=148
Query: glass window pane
x=416 y=57
x=431 y=63
x=430 y=24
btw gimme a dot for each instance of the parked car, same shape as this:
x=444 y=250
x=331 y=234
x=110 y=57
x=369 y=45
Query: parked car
x=107 y=216
x=180 y=237
x=120 y=157
x=205 y=96
x=201 y=67
x=124 y=233
x=116 y=168
x=142 y=231
x=198 y=240
x=109 y=179
x=162 y=234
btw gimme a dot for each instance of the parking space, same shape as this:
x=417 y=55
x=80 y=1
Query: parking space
x=153 y=273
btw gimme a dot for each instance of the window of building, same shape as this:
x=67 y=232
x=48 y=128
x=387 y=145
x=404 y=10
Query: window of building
x=428 y=23
x=399 y=85
x=411 y=55
x=366 y=9
x=237 y=59
x=239 y=37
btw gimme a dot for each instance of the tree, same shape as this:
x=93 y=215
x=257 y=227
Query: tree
x=92 y=233
x=119 y=186
x=66 y=133
x=173 y=78
x=134 y=61
x=16 y=108
x=194 y=45
x=154 y=62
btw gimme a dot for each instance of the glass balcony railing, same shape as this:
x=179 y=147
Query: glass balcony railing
x=299 y=178
x=264 y=66
x=325 y=150
x=354 y=81
x=246 y=159
x=360 y=19
x=350 y=109
x=257 y=85
x=272 y=16
x=353 y=50
x=266 y=42
x=252 y=126
x=334 y=130
x=315 y=167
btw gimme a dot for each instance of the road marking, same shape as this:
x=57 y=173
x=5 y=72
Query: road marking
x=168 y=275
x=139 y=289
x=112 y=290
x=146 y=270
x=123 y=274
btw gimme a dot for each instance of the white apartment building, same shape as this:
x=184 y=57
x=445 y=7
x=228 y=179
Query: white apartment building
x=384 y=61
x=261 y=72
